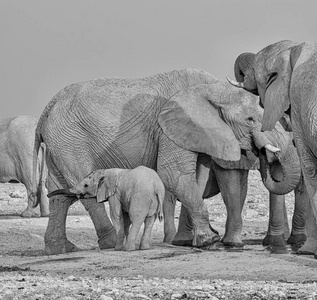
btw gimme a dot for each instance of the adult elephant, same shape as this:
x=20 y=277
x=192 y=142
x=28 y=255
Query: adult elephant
x=284 y=75
x=162 y=122
x=16 y=160
x=231 y=180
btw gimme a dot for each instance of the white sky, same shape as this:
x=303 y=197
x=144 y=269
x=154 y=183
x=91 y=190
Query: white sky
x=46 y=45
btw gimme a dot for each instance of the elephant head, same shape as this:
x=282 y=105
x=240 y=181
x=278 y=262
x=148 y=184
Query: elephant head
x=100 y=183
x=268 y=74
x=235 y=120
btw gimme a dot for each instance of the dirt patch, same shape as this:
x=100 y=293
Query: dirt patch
x=163 y=272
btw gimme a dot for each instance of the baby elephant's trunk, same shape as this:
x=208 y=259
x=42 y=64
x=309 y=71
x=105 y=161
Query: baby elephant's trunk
x=160 y=192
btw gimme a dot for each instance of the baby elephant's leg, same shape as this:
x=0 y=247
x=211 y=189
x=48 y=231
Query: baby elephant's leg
x=138 y=211
x=148 y=225
x=127 y=223
x=116 y=215
x=134 y=230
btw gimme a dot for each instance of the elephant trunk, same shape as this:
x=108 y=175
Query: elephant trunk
x=281 y=174
x=65 y=192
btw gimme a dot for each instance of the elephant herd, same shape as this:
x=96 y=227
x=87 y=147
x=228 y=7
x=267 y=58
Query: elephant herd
x=201 y=136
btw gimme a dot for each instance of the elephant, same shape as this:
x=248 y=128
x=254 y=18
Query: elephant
x=284 y=74
x=162 y=122
x=135 y=196
x=16 y=156
x=231 y=180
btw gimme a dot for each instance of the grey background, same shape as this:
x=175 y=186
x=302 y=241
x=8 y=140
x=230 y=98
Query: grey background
x=46 y=45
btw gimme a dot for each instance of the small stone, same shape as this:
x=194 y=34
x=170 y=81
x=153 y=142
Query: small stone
x=176 y=296
x=143 y=296
x=71 y=278
x=104 y=297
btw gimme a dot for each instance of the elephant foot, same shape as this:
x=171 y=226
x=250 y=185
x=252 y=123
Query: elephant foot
x=44 y=213
x=118 y=248
x=145 y=246
x=276 y=244
x=297 y=240
x=183 y=239
x=309 y=248
x=232 y=242
x=129 y=247
x=274 y=240
x=205 y=240
x=168 y=238
x=108 y=240
x=29 y=213
x=64 y=246
x=233 y=245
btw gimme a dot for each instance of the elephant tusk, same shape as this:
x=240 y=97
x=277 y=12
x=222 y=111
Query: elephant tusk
x=235 y=83
x=272 y=148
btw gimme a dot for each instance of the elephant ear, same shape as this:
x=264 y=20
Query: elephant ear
x=106 y=188
x=277 y=100
x=193 y=122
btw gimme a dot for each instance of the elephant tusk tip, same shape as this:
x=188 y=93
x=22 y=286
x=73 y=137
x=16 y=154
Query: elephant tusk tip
x=272 y=149
x=235 y=83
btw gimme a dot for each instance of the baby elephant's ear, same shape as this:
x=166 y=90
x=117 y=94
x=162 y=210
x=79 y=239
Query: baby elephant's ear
x=106 y=187
x=101 y=190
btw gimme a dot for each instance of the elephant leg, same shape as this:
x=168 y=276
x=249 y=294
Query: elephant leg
x=177 y=169
x=188 y=193
x=134 y=230
x=233 y=187
x=184 y=235
x=298 y=234
x=169 y=214
x=277 y=224
x=29 y=212
x=310 y=246
x=55 y=238
x=55 y=235
x=127 y=223
x=106 y=233
x=42 y=192
x=308 y=164
x=148 y=226
x=116 y=215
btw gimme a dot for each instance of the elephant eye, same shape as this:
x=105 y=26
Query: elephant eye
x=271 y=78
x=86 y=185
x=250 y=120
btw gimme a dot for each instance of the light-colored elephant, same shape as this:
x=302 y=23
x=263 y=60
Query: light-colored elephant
x=284 y=75
x=231 y=180
x=135 y=196
x=162 y=122
x=16 y=156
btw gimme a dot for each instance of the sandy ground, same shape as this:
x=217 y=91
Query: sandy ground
x=164 y=272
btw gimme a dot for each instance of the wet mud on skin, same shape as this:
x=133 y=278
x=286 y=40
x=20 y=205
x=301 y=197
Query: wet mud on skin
x=22 y=253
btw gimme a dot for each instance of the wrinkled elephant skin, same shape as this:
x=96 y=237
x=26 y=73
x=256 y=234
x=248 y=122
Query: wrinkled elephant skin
x=161 y=122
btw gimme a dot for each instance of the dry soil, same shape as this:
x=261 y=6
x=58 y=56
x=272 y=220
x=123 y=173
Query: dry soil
x=163 y=272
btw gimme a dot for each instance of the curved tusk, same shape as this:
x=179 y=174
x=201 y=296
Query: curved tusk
x=235 y=83
x=272 y=148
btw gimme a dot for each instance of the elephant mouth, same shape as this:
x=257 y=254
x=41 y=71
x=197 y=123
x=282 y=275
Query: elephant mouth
x=273 y=168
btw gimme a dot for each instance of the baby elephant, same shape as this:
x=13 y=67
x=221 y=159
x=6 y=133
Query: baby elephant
x=135 y=196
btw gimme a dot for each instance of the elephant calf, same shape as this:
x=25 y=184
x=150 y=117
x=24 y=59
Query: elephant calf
x=135 y=196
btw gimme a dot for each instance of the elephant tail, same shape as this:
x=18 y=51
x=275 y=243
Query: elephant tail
x=160 y=192
x=38 y=165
